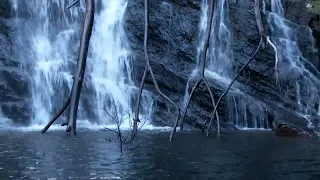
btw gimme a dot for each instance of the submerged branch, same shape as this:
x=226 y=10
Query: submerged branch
x=148 y=70
x=257 y=7
x=81 y=66
x=73 y=100
x=227 y=90
x=64 y=107
x=123 y=139
x=202 y=70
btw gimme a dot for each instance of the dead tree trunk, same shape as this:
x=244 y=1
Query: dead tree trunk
x=146 y=71
x=73 y=100
x=78 y=80
x=202 y=70
x=262 y=33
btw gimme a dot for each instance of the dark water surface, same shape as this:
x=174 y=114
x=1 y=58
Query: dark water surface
x=240 y=155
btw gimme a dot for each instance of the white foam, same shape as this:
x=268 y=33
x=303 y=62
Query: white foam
x=253 y=129
x=216 y=76
x=5 y=123
x=81 y=124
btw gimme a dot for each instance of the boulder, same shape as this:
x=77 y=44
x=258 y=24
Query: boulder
x=291 y=131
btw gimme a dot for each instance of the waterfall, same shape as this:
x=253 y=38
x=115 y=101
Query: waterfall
x=110 y=67
x=4 y=122
x=294 y=65
x=220 y=59
x=49 y=41
x=220 y=53
x=47 y=34
x=220 y=56
x=276 y=7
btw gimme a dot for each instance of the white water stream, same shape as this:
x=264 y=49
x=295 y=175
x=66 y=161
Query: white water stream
x=51 y=33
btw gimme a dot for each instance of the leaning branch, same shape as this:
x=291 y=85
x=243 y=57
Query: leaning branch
x=78 y=80
x=202 y=77
x=227 y=90
x=64 y=107
x=73 y=100
x=147 y=70
x=73 y=3
x=257 y=7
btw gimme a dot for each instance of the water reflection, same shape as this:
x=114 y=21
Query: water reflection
x=241 y=155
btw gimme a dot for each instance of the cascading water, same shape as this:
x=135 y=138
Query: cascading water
x=220 y=57
x=4 y=122
x=110 y=66
x=219 y=67
x=51 y=33
x=292 y=66
x=50 y=51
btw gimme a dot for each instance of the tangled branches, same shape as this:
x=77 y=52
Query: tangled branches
x=263 y=39
x=118 y=121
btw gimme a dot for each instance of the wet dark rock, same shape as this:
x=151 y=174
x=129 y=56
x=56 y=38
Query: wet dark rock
x=298 y=12
x=14 y=82
x=291 y=131
x=17 y=111
x=173 y=41
x=5 y=10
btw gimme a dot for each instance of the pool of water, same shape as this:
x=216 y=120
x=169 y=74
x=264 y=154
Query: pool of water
x=95 y=155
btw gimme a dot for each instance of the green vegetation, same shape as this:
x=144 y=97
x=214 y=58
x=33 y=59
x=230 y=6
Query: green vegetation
x=316 y=6
x=311 y=5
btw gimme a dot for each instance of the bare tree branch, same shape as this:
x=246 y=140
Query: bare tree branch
x=64 y=107
x=227 y=90
x=202 y=70
x=148 y=69
x=78 y=80
x=257 y=7
x=73 y=100
x=73 y=3
x=123 y=140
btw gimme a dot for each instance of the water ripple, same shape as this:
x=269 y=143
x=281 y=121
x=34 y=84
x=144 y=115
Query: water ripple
x=241 y=155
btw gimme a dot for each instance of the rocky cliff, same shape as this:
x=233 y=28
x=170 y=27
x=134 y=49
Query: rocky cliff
x=173 y=34
x=14 y=90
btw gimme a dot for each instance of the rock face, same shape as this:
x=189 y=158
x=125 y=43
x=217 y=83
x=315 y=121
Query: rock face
x=289 y=130
x=173 y=39
x=14 y=88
